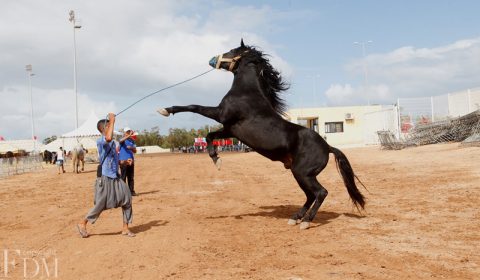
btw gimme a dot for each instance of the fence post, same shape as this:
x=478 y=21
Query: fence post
x=448 y=104
x=431 y=104
x=399 y=129
x=469 y=101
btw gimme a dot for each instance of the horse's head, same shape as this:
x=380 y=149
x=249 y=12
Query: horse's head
x=229 y=60
x=270 y=80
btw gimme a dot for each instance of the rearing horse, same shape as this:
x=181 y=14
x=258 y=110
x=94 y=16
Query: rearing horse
x=252 y=112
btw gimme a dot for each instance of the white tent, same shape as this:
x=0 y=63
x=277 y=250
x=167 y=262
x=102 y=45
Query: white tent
x=7 y=147
x=69 y=143
x=86 y=134
x=87 y=129
x=151 y=150
x=17 y=145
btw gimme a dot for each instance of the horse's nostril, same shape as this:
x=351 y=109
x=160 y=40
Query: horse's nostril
x=213 y=61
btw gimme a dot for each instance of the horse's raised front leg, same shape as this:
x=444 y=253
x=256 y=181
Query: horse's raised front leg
x=212 y=150
x=209 y=112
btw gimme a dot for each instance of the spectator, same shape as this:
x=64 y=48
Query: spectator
x=127 y=161
x=60 y=160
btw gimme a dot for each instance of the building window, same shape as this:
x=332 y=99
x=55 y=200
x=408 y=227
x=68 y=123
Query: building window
x=333 y=127
x=313 y=124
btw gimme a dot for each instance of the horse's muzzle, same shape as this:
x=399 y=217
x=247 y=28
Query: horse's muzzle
x=213 y=61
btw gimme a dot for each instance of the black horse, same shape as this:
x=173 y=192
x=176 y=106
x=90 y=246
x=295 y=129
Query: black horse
x=252 y=112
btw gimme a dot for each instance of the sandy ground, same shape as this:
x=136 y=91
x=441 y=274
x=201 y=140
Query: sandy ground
x=194 y=222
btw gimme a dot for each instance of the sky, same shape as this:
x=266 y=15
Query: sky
x=128 y=49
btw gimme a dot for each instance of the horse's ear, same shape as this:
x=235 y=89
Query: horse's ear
x=242 y=44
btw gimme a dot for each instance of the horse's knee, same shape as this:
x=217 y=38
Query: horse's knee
x=322 y=193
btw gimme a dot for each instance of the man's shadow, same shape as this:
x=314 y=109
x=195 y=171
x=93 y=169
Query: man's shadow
x=285 y=211
x=139 y=228
x=144 y=193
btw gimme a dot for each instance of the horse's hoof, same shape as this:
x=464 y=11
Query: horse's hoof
x=304 y=225
x=163 y=112
x=218 y=163
x=292 y=222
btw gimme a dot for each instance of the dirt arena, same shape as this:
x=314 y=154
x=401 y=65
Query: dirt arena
x=422 y=220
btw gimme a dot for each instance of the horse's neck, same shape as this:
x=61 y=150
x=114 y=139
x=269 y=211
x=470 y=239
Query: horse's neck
x=248 y=80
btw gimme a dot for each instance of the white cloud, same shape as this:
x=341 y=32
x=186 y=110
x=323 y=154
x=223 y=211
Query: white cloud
x=53 y=110
x=347 y=95
x=125 y=50
x=413 y=72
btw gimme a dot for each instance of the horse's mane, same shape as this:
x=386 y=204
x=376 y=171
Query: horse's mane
x=270 y=79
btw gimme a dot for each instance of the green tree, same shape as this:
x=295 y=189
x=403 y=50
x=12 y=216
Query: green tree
x=50 y=139
x=179 y=137
x=150 y=138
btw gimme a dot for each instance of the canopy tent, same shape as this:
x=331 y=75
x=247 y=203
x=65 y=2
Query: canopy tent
x=69 y=143
x=87 y=129
x=86 y=134
x=20 y=145
x=151 y=150
x=223 y=142
x=6 y=147
x=200 y=141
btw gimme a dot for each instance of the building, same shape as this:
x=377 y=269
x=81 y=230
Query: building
x=345 y=126
x=358 y=125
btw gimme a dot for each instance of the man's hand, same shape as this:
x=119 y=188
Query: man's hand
x=111 y=116
x=109 y=128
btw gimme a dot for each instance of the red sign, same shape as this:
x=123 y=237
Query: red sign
x=223 y=142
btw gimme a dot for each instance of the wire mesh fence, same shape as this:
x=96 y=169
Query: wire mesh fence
x=453 y=117
x=415 y=112
x=382 y=120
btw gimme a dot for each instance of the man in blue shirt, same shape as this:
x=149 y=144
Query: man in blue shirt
x=110 y=190
x=127 y=166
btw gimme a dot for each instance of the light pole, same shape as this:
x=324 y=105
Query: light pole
x=76 y=25
x=365 y=70
x=29 y=75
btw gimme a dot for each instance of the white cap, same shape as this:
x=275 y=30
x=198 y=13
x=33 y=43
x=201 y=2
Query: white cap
x=125 y=129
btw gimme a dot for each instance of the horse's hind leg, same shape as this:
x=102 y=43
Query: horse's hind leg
x=320 y=194
x=310 y=199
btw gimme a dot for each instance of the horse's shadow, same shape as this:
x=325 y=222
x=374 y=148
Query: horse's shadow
x=139 y=228
x=285 y=211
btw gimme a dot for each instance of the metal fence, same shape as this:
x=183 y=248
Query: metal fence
x=383 y=120
x=20 y=165
x=424 y=110
x=401 y=119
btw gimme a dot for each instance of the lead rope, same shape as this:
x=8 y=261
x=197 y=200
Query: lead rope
x=165 y=88
x=160 y=90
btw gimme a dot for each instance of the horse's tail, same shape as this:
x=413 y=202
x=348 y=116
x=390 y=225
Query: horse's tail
x=343 y=165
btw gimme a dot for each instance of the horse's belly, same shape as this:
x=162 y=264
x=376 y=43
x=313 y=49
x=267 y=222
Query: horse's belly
x=269 y=142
